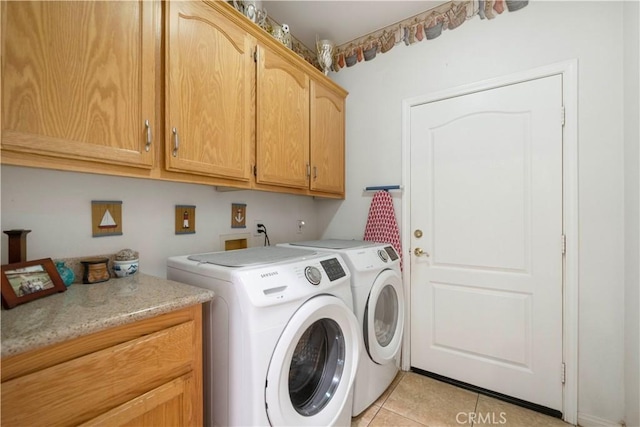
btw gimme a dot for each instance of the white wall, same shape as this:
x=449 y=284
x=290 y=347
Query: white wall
x=543 y=33
x=632 y=210
x=56 y=206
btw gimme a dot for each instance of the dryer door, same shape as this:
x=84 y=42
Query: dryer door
x=384 y=317
x=313 y=365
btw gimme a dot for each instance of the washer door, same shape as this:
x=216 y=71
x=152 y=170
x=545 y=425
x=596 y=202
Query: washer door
x=313 y=365
x=384 y=317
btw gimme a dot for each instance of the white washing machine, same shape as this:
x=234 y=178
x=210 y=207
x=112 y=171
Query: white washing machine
x=281 y=342
x=378 y=300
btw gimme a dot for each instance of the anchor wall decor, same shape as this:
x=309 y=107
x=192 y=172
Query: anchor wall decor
x=238 y=215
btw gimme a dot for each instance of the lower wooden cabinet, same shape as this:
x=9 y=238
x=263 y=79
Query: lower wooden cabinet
x=145 y=373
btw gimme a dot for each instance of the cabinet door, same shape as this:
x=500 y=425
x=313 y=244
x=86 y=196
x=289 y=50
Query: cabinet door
x=210 y=76
x=167 y=405
x=282 y=146
x=327 y=139
x=78 y=79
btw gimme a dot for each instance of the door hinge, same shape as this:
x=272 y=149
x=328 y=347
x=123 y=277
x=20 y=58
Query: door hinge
x=562 y=115
x=564 y=244
x=563 y=373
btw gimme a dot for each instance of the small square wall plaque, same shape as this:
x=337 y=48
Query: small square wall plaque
x=238 y=215
x=185 y=219
x=106 y=218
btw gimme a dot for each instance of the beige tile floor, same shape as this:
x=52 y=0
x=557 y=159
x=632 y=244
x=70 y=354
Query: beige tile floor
x=416 y=400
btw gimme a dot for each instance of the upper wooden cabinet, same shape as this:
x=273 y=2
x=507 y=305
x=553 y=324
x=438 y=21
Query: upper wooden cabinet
x=188 y=91
x=327 y=139
x=300 y=127
x=78 y=80
x=282 y=137
x=209 y=81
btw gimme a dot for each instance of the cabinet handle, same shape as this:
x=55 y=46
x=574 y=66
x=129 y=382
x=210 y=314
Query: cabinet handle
x=315 y=172
x=176 y=142
x=308 y=170
x=149 y=137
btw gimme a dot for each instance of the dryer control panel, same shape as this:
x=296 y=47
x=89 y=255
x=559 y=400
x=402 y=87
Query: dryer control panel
x=383 y=255
x=372 y=259
x=391 y=252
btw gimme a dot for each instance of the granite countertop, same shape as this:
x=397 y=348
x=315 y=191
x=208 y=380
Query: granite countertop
x=84 y=309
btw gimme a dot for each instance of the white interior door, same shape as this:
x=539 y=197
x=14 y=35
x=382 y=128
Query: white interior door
x=486 y=193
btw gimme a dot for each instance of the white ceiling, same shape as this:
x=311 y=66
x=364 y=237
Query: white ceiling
x=341 y=20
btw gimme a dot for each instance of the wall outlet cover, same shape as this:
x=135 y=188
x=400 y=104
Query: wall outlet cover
x=255 y=227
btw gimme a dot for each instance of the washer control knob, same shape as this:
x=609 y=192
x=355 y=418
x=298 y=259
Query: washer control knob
x=384 y=256
x=313 y=275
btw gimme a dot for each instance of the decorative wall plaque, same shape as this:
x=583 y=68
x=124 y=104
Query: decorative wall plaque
x=238 y=215
x=185 y=219
x=106 y=218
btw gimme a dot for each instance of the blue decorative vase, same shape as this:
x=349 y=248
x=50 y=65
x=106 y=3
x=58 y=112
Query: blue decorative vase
x=65 y=272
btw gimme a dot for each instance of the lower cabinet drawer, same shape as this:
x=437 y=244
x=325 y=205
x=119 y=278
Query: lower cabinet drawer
x=81 y=389
x=162 y=406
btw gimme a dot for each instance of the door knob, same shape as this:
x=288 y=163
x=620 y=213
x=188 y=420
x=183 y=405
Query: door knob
x=420 y=252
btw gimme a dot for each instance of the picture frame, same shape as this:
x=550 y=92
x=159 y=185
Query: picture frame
x=26 y=281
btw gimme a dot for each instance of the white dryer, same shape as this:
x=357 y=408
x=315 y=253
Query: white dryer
x=378 y=300
x=281 y=342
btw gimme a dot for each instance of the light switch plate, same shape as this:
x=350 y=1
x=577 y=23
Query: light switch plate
x=185 y=219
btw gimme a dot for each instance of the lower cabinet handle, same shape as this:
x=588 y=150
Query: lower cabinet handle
x=176 y=142
x=315 y=172
x=149 y=137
